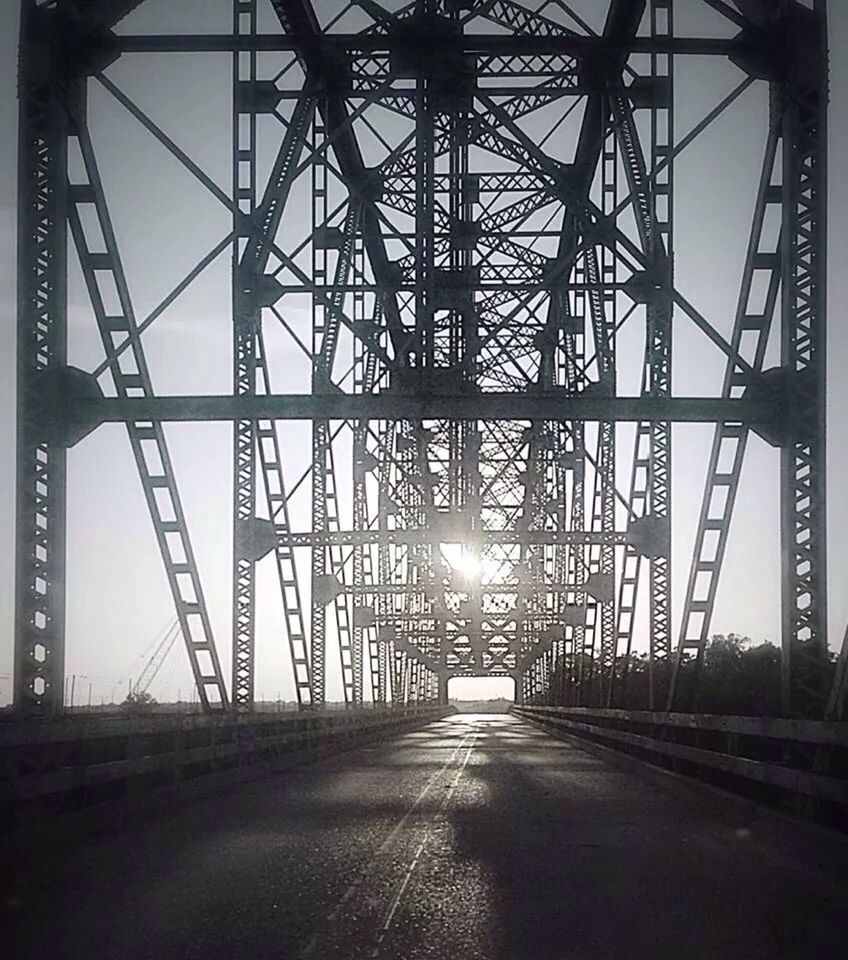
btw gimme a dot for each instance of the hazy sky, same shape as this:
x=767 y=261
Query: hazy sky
x=118 y=602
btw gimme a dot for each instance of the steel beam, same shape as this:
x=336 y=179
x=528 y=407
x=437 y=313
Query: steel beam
x=42 y=351
x=803 y=469
x=384 y=406
x=579 y=46
x=246 y=314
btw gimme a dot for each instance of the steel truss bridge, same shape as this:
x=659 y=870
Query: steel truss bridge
x=471 y=200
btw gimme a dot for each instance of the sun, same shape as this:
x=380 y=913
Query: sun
x=462 y=560
x=468 y=565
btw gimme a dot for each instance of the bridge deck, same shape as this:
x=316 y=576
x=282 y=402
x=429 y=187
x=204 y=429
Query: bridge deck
x=478 y=837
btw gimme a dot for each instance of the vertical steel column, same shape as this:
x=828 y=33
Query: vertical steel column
x=382 y=670
x=362 y=560
x=261 y=289
x=803 y=463
x=659 y=340
x=400 y=676
x=341 y=601
x=322 y=380
x=389 y=656
x=573 y=436
x=603 y=270
x=42 y=352
x=320 y=428
x=650 y=477
x=246 y=321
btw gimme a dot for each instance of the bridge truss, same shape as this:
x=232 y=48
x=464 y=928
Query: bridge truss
x=470 y=199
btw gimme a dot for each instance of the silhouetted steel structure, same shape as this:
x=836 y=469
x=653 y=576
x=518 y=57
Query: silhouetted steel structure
x=491 y=197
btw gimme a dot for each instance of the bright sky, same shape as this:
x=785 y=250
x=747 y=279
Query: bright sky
x=118 y=603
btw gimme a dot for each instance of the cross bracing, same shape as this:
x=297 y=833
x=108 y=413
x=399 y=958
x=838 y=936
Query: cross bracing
x=471 y=203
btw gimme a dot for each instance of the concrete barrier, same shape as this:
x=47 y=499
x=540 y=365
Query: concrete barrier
x=66 y=765
x=799 y=764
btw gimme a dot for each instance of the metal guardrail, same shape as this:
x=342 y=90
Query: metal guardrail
x=73 y=763
x=795 y=758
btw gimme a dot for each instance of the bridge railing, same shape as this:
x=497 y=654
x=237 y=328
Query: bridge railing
x=783 y=761
x=72 y=763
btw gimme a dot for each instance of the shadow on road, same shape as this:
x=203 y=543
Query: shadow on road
x=588 y=861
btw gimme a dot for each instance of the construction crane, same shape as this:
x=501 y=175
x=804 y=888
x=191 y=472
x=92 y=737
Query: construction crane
x=157 y=658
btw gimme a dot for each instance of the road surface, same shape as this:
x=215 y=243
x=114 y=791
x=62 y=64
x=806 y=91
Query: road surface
x=476 y=837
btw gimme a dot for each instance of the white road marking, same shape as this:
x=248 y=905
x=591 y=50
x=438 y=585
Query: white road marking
x=309 y=949
x=396 y=899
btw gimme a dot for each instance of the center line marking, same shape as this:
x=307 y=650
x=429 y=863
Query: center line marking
x=396 y=899
x=313 y=942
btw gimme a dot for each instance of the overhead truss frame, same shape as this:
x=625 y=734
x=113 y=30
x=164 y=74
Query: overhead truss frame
x=466 y=294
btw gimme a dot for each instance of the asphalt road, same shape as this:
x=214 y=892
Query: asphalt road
x=477 y=837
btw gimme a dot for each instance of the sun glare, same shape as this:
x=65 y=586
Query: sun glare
x=467 y=565
x=462 y=561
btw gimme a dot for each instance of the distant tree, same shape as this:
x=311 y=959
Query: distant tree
x=739 y=677
x=139 y=702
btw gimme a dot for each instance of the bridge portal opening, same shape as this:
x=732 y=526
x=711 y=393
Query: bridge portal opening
x=481 y=694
